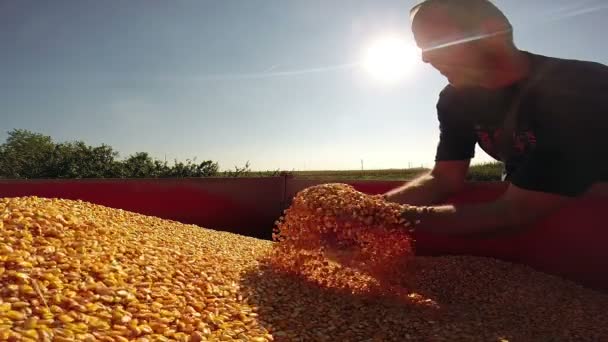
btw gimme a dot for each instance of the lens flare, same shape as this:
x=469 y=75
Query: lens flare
x=390 y=59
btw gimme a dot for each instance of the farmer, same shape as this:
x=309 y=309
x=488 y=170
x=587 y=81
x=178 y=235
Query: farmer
x=545 y=118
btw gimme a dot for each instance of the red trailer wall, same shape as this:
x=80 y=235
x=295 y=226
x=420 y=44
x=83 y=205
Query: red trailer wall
x=571 y=243
x=247 y=206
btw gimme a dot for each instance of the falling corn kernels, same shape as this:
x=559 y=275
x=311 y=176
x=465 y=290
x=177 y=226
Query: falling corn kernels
x=335 y=223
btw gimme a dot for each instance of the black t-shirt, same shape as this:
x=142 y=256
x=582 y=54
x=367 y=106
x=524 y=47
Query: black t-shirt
x=560 y=134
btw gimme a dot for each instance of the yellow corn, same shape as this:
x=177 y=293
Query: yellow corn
x=75 y=271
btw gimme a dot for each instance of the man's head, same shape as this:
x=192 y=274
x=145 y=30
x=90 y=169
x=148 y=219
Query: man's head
x=469 y=41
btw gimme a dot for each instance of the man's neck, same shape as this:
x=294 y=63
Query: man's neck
x=513 y=67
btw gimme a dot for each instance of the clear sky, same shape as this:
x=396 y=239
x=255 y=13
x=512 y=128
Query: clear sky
x=275 y=82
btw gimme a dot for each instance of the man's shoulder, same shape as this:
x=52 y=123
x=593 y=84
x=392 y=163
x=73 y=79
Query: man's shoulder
x=563 y=72
x=568 y=85
x=568 y=63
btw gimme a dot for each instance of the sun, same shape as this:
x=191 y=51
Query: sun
x=390 y=59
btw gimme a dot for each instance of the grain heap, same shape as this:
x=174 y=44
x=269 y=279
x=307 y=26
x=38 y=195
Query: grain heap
x=334 y=234
x=74 y=271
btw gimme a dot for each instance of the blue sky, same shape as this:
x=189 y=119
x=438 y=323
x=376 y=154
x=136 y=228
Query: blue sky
x=269 y=81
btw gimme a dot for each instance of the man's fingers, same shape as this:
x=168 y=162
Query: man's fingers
x=411 y=214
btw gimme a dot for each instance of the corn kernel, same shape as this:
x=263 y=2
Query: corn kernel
x=15 y=315
x=65 y=318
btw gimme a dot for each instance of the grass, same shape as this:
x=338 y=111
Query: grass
x=478 y=172
x=390 y=174
x=485 y=172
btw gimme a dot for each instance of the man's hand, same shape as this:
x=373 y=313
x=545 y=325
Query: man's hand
x=413 y=214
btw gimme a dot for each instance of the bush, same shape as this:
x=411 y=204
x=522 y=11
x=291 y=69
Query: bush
x=28 y=155
x=485 y=172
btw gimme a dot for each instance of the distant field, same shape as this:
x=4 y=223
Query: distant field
x=479 y=172
x=485 y=172
x=390 y=174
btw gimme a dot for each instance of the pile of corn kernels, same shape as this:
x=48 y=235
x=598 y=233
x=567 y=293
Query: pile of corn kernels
x=75 y=271
x=333 y=234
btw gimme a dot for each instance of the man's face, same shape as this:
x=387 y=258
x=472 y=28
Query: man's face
x=463 y=64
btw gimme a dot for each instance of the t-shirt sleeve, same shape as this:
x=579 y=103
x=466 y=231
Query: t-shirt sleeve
x=457 y=137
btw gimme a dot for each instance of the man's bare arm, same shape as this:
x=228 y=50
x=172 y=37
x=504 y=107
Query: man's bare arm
x=446 y=178
x=515 y=210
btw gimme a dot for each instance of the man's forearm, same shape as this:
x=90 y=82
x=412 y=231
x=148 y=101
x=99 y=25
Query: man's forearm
x=424 y=190
x=516 y=209
x=466 y=219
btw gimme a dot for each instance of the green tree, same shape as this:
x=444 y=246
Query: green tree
x=207 y=168
x=26 y=154
x=190 y=168
x=139 y=165
x=161 y=169
x=78 y=160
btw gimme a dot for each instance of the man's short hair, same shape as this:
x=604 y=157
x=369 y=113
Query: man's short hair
x=468 y=14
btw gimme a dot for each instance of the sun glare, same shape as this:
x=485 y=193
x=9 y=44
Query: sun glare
x=390 y=59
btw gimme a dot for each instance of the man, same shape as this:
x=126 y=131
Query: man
x=545 y=118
